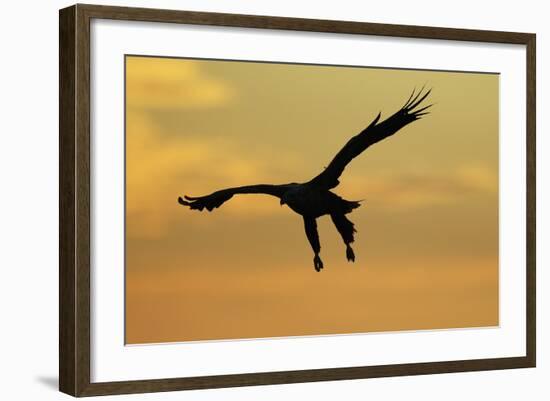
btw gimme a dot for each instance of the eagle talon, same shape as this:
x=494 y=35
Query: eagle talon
x=318 y=263
x=350 y=254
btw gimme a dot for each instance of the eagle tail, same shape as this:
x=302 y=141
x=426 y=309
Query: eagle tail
x=348 y=206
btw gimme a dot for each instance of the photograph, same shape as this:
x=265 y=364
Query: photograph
x=259 y=198
x=268 y=199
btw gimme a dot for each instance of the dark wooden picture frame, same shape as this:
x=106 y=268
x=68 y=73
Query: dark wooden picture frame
x=74 y=202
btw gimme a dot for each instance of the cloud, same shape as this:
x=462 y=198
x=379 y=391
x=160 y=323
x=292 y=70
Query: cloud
x=477 y=177
x=417 y=189
x=172 y=84
x=160 y=171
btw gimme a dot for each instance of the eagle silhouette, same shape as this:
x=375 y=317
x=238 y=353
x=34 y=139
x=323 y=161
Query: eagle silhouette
x=314 y=199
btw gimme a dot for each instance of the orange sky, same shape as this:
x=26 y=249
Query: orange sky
x=427 y=241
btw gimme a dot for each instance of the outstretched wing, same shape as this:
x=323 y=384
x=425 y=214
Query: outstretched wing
x=375 y=132
x=217 y=198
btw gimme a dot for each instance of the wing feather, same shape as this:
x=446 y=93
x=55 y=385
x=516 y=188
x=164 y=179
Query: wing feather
x=218 y=198
x=375 y=132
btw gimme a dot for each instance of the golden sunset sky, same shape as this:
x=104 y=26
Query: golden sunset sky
x=427 y=240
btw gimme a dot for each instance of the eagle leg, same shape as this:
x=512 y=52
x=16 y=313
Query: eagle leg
x=310 y=224
x=347 y=231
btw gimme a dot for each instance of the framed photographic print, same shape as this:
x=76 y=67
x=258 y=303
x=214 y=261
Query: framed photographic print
x=250 y=200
